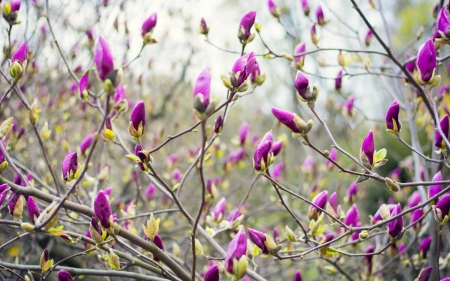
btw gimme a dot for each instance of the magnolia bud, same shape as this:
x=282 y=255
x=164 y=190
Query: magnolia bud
x=392 y=184
x=5 y=127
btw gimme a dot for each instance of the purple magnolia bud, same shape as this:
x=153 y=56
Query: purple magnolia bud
x=243 y=132
x=261 y=156
x=255 y=76
x=446 y=279
x=332 y=156
x=245 y=25
x=377 y=217
x=273 y=9
x=300 y=60
x=368 y=38
x=159 y=243
x=149 y=24
x=426 y=61
x=202 y=90
x=21 y=54
x=444 y=124
x=15 y=6
x=212 y=274
x=333 y=201
x=84 y=87
x=244 y=67
x=218 y=124
x=286 y=117
x=103 y=58
x=259 y=239
x=414 y=199
x=137 y=120
x=424 y=274
x=86 y=143
x=236 y=249
x=392 y=123
x=320 y=200
x=351 y=193
x=349 y=105
x=368 y=149
x=277 y=169
x=368 y=259
x=4 y=188
x=219 y=210
x=90 y=35
x=436 y=188
x=443 y=23
x=445 y=90
x=395 y=174
x=319 y=16
x=301 y=84
x=424 y=247
x=298 y=273
x=204 y=29
x=441 y=209
x=276 y=147
x=275 y=234
x=308 y=165
x=410 y=66
x=120 y=98
x=234 y=215
x=33 y=209
x=69 y=166
x=395 y=227
x=102 y=209
x=352 y=216
x=63 y=275
x=338 y=81
x=416 y=218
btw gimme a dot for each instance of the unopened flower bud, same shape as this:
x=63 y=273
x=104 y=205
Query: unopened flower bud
x=6 y=127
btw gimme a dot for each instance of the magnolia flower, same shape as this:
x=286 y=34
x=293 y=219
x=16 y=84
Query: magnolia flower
x=426 y=64
x=424 y=247
x=202 y=89
x=392 y=123
x=324 y=250
x=242 y=69
x=84 y=87
x=302 y=85
x=368 y=149
x=263 y=155
x=444 y=124
x=4 y=188
x=204 y=29
x=395 y=227
x=120 y=99
x=436 y=188
x=442 y=208
x=351 y=193
x=273 y=9
x=103 y=58
x=63 y=275
x=313 y=33
x=137 y=120
x=70 y=166
x=18 y=62
x=416 y=218
x=33 y=209
x=255 y=77
x=410 y=66
x=3 y=162
x=159 y=243
x=352 y=216
x=305 y=7
x=414 y=199
x=349 y=105
x=368 y=259
x=212 y=274
x=236 y=251
x=218 y=124
x=277 y=169
x=291 y=120
x=424 y=274
x=276 y=147
x=150 y=191
x=319 y=200
x=244 y=34
x=377 y=217
x=332 y=156
x=102 y=209
x=443 y=24
x=149 y=24
x=299 y=60
x=298 y=273
x=262 y=241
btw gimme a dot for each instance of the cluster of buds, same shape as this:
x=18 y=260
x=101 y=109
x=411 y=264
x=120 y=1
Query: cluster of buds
x=10 y=11
x=235 y=259
x=203 y=105
x=104 y=62
x=18 y=62
x=426 y=64
x=264 y=242
x=242 y=69
x=305 y=92
x=147 y=29
x=291 y=120
x=244 y=33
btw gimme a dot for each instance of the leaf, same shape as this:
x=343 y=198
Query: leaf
x=379 y=155
x=320 y=230
x=133 y=157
